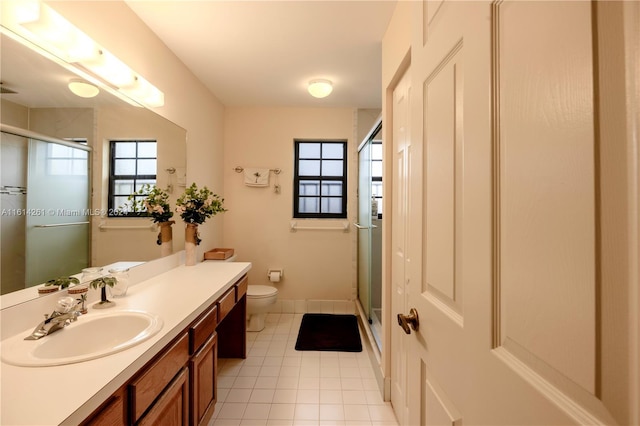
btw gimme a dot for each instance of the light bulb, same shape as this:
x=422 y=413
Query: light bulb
x=320 y=88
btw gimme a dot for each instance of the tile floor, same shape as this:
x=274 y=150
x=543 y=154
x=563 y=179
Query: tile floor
x=279 y=386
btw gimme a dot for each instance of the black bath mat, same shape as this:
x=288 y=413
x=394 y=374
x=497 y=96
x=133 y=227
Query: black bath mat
x=329 y=332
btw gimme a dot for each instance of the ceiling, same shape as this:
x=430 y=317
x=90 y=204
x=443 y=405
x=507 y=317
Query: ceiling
x=263 y=53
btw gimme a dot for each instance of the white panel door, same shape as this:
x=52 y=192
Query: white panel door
x=518 y=219
x=400 y=207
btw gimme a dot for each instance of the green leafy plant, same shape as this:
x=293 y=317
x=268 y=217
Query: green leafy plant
x=155 y=204
x=197 y=205
x=62 y=282
x=102 y=283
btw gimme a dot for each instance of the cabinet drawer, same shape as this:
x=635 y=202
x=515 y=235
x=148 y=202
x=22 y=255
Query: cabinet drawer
x=146 y=388
x=241 y=287
x=226 y=303
x=204 y=327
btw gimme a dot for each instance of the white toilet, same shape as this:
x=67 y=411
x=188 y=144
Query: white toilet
x=259 y=299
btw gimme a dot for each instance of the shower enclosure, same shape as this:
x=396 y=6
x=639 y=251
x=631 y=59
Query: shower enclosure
x=369 y=226
x=45 y=208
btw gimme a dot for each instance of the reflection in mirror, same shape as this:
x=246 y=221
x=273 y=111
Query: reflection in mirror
x=35 y=97
x=45 y=208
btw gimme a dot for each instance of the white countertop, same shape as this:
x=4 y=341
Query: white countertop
x=67 y=394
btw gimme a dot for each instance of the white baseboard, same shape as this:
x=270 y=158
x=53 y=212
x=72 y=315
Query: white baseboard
x=313 y=306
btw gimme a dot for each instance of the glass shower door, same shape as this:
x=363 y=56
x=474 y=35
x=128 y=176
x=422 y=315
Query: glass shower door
x=369 y=227
x=57 y=223
x=364 y=228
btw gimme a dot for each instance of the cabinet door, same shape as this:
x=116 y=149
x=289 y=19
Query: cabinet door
x=112 y=413
x=202 y=368
x=172 y=408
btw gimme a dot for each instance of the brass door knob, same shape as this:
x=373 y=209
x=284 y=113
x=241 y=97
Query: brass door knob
x=409 y=320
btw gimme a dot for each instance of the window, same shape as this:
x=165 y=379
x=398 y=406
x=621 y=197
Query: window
x=64 y=160
x=133 y=164
x=320 y=180
x=376 y=167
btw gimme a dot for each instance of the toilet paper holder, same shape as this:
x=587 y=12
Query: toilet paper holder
x=276 y=273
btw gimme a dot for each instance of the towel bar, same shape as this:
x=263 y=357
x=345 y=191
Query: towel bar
x=56 y=225
x=239 y=169
x=344 y=227
x=104 y=227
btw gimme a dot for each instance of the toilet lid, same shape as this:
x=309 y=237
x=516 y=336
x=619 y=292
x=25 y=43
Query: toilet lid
x=260 y=291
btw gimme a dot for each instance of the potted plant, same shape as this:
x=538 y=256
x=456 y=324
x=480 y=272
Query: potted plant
x=195 y=206
x=156 y=205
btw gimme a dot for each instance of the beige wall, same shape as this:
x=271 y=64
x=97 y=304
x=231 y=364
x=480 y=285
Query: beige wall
x=366 y=120
x=317 y=264
x=14 y=114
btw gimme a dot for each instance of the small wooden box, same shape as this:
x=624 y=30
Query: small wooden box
x=218 y=254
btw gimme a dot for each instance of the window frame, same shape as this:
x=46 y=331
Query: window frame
x=111 y=212
x=297 y=179
x=377 y=178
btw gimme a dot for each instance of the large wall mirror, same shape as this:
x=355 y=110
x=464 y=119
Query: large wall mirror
x=37 y=108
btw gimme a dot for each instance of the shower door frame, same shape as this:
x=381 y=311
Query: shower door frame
x=364 y=226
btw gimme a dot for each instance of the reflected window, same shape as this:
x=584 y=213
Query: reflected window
x=67 y=161
x=376 y=173
x=320 y=179
x=133 y=165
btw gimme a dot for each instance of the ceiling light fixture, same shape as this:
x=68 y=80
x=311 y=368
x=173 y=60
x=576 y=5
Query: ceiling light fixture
x=320 y=88
x=50 y=31
x=83 y=89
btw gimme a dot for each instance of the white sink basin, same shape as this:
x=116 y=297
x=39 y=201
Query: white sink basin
x=91 y=336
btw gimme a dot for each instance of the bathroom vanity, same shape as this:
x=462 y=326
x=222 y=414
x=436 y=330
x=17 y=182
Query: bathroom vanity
x=170 y=376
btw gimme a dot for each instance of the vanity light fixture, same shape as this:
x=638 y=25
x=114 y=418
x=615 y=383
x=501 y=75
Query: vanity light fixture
x=53 y=33
x=320 y=88
x=110 y=68
x=83 y=89
x=142 y=89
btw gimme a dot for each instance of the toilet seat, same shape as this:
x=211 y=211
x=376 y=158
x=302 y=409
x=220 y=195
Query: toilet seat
x=261 y=291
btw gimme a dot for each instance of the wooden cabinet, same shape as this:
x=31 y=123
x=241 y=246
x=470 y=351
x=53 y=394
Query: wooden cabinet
x=178 y=387
x=154 y=379
x=203 y=364
x=113 y=412
x=172 y=407
x=232 y=328
x=226 y=303
x=202 y=329
x=202 y=368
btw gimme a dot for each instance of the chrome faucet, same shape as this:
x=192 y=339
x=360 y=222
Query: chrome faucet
x=64 y=314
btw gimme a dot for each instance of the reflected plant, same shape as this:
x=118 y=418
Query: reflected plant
x=62 y=282
x=155 y=204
